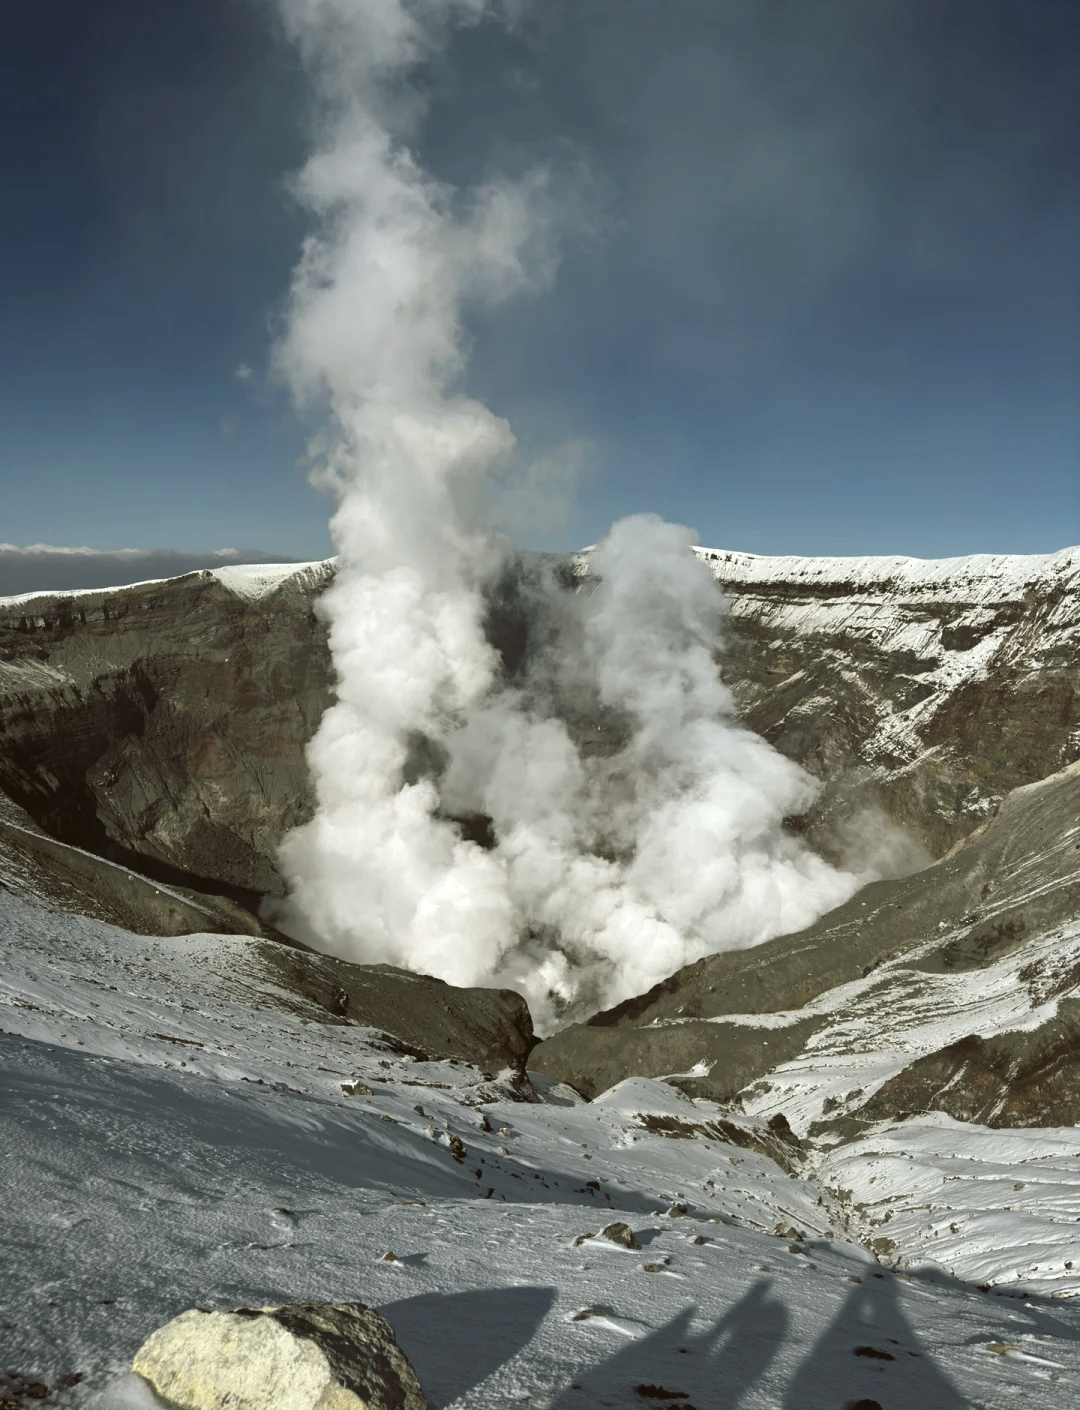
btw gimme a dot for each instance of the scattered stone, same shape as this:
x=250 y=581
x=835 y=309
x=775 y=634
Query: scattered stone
x=25 y=1389
x=581 y=1238
x=419 y=1111
x=356 y=1089
x=699 y=1239
x=587 y=1312
x=678 y=1210
x=781 y=1129
x=874 y=1353
x=503 y=1150
x=620 y=1234
x=659 y=1393
x=386 y=1118
x=291 y=1357
x=652 y=1267
x=458 y=1149
x=390 y=1257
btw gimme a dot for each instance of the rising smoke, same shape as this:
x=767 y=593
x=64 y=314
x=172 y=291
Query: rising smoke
x=529 y=778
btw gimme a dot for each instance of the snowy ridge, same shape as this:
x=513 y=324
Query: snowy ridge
x=251 y=581
x=256 y=580
x=904 y=605
x=977 y=577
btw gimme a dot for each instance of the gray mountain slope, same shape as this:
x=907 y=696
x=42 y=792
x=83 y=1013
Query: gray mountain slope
x=994 y=900
x=162 y=725
x=152 y=747
x=932 y=686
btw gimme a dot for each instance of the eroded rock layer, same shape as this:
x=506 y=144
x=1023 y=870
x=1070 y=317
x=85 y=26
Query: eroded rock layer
x=163 y=725
x=936 y=686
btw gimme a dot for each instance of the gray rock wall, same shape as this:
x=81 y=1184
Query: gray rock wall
x=163 y=725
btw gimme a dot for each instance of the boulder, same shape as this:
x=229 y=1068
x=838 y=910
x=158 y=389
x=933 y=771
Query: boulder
x=620 y=1234
x=298 y=1356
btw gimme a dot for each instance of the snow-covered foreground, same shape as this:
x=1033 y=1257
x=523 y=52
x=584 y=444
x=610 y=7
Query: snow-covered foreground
x=174 y=1138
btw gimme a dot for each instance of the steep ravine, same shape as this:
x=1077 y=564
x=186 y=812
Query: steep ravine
x=953 y=990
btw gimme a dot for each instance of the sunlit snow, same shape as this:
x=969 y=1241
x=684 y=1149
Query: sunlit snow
x=174 y=1136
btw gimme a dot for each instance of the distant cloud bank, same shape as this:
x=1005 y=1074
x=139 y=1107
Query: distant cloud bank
x=45 y=567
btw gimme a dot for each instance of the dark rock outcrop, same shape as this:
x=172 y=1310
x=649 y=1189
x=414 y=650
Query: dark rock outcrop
x=491 y=1028
x=67 y=878
x=163 y=725
x=1030 y=1077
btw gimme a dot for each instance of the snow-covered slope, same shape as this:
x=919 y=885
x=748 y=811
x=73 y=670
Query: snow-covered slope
x=248 y=580
x=171 y=1139
x=938 y=684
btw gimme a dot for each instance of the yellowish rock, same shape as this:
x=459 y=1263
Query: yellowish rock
x=299 y=1356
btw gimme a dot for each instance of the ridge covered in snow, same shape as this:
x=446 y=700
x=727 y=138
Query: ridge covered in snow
x=989 y=576
x=248 y=580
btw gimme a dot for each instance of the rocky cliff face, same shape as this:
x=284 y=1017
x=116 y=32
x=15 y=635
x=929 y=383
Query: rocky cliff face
x=935 y=686
x=163 y=725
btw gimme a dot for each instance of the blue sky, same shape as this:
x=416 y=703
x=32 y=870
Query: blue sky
x=822 y=295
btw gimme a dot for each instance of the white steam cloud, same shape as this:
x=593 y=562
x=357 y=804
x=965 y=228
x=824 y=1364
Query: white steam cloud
x=576 y=813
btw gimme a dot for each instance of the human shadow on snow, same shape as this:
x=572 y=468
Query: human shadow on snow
x=710 y=1368
x=871 y=1353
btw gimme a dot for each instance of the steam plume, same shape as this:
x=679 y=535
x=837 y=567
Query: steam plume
x=580 y=821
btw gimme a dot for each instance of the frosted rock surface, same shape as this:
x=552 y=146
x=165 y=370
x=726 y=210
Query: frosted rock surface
x=299 y=1356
